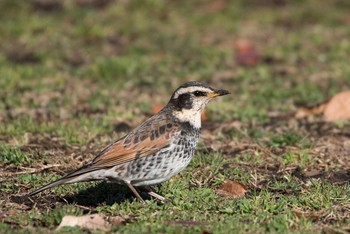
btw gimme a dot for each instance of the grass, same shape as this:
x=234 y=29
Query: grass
x=77 y=76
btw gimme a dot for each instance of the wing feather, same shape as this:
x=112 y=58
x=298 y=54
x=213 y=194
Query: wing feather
x=152 y=136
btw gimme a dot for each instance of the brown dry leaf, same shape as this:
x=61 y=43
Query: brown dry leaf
x=311 y=216
x=156 y=108
x=232 y=189
x=246 y=53
x=91 y=222
x=304 y=112
x=338 y=107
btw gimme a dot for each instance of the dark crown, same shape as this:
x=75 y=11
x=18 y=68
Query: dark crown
x=193 y=84
x=184 y=100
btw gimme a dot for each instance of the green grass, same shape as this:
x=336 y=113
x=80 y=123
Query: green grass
x=14 y=156
x=75 y=79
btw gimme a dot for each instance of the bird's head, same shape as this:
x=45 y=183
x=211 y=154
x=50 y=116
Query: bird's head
x=189 y=100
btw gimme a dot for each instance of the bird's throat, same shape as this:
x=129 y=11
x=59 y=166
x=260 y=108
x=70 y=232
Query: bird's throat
x=193 y=117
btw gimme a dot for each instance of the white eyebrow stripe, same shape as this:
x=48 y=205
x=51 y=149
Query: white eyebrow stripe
x=191 y=90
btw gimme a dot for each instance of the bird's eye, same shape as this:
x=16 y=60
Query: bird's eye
x=199 y=93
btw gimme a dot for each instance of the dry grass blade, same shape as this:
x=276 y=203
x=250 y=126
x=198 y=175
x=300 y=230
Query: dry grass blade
x=26 y=170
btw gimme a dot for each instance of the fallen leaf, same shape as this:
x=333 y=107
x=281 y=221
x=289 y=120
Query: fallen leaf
x=304 y=112
x=232 y=189
x=301 y=214
x=156 y=108
x=338 y=107
x=335 y=109
x=91 y=222
x=246 y=53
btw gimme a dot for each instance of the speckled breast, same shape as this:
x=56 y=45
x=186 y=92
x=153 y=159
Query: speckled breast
x=164 y=164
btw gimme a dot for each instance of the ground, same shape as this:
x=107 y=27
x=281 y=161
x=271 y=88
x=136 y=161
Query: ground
x=76 y=75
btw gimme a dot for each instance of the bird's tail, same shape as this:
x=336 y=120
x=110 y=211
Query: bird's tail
x=60 y=181
x=70 y=178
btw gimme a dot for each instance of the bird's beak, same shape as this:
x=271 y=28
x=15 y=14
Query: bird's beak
x=221 y=92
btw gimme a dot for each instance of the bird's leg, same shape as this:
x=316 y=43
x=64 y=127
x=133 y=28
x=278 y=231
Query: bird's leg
x=151 y=192
x=135 y=192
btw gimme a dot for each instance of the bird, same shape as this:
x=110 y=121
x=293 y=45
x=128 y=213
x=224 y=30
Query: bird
x=155 y=151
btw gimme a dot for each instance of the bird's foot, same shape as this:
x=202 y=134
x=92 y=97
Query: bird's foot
x=150 y=190
x=157 y=196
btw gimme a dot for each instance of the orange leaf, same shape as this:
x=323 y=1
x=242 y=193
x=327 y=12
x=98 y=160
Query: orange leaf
x=156 y=108
x=338 y=107
x=246 y=53
x=232 y=189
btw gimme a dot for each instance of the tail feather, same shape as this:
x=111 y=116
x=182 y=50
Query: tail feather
x=60 y=181
x=66 y=179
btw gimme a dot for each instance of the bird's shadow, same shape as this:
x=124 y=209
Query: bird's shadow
x=103 y=193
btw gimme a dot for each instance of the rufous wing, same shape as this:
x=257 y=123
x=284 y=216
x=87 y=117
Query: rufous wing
x=143 y=141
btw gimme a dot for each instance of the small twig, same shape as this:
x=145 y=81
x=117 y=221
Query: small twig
x=85 y=208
